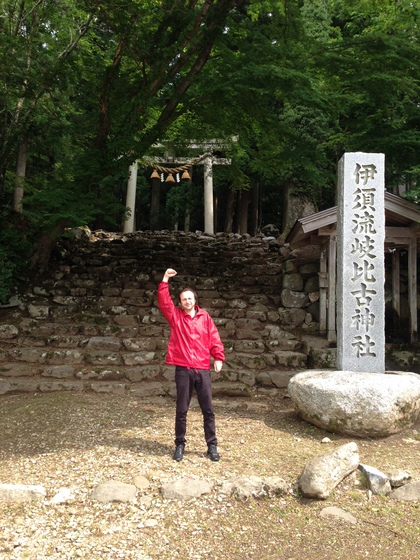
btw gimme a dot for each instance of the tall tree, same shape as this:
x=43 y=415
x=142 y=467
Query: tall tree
x=36 y=37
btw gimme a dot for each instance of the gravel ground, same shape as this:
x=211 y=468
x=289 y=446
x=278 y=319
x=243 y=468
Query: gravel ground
x=78 y=441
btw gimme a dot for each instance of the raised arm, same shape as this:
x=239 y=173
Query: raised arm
x=169 y=273
x=166 y=305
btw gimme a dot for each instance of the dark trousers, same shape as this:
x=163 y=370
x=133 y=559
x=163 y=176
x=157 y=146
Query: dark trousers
x=186 y=381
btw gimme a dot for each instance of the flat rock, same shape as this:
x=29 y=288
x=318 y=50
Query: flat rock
x=186 y=488
x=333 y=511
x=63 y=496
x=251 y=486
x=362 y=404
x=141 y=482
x=114 y=491
x=398 y=478
x=21 y=493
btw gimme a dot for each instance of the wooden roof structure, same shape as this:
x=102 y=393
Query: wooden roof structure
x=402 y=231
x=402 y=221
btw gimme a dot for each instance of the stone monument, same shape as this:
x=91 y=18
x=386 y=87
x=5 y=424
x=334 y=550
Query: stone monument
x=360 y=263
x=359 y=399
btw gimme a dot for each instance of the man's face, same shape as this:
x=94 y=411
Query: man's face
x=187 y=300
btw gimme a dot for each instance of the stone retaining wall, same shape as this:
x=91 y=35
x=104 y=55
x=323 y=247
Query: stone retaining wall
x=92 y=322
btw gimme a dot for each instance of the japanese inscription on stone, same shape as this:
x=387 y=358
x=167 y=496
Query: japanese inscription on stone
x=360 y=261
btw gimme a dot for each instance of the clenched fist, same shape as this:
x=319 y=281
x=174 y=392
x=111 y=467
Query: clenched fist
x=169 y=273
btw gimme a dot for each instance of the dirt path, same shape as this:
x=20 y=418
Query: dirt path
x=80 y=440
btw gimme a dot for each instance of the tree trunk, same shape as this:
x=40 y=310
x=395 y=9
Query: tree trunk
x=20 y=175
x=244 y=205
x=294 y=207
x=154 y=205
x=187 y=219
x=230 y=212
x=43 y=247
x=255 y=210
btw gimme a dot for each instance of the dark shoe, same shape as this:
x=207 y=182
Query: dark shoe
x=212 y=452
x=179 y=452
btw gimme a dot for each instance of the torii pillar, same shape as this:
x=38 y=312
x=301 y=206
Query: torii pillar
x=208 y=196
x=129 y=224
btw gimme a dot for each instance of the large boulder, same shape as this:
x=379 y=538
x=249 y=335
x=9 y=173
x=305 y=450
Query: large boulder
x=355 y=403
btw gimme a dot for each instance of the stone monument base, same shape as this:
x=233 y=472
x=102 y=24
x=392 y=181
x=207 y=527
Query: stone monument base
x=359 y=404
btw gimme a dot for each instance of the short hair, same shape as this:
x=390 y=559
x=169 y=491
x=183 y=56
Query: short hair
x=188 y=290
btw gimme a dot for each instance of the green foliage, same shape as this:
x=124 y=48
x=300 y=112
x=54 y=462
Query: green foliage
x=15 y=247
x=7 y=275
x=93 y=84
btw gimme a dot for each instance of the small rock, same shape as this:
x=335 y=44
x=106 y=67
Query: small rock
x=141 y=482
x=323 y=473
x=245 y=487
x=399 y=478
x=145 y=502
x=8 y=331
x=408 y=493
x=21 y=493
x=338 y=512
x=63 y=495
x=378 y=482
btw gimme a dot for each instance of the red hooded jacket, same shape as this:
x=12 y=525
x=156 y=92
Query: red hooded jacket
x=192 y=340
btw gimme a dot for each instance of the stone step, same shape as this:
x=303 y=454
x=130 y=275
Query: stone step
x=113 y=352
x=257 y=362
x=279 y=379
x=322 y=358
x=321 y=353
x=98 y=363
x=146 y=388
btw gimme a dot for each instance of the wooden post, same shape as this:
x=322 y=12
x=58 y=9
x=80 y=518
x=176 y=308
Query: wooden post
x=396 y=299
x=332 y=281
x=412 y=287
x=323 y=284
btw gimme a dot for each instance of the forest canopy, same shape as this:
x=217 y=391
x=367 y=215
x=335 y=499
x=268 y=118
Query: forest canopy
x=89 y=86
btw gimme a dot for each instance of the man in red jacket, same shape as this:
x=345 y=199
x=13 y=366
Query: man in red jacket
x=193 y=340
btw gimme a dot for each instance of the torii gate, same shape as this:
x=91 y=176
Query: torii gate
x=208 y=160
